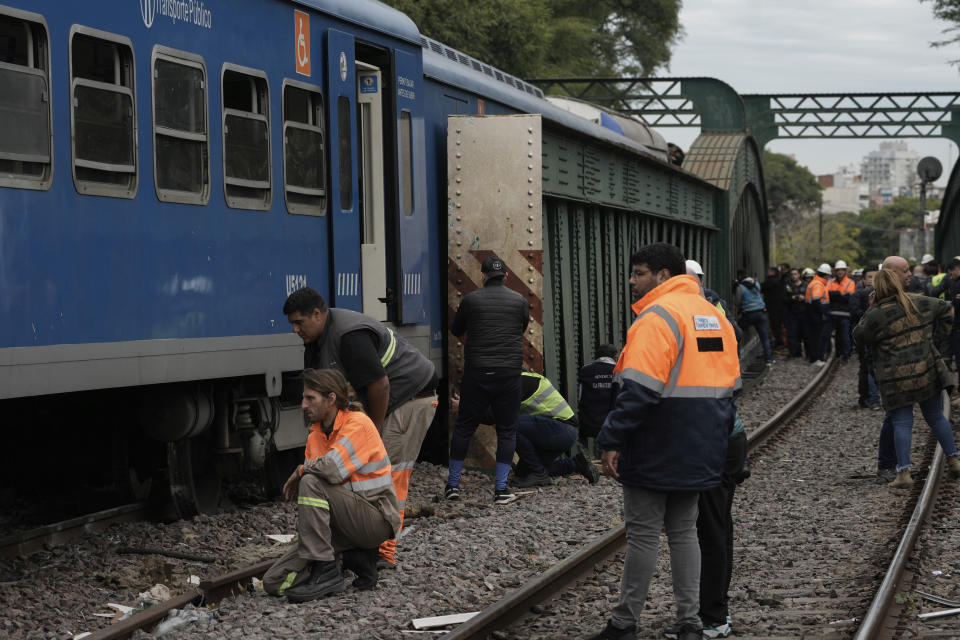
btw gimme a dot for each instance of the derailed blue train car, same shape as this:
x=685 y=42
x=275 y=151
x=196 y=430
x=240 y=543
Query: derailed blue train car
x=170 y=170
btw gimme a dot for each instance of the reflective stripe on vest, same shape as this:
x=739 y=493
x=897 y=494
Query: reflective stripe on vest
x=937 y=279
x=391 y=349
x=545 y=401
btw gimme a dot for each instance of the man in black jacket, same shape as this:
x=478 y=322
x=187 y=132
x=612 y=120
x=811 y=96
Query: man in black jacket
x=494 y=319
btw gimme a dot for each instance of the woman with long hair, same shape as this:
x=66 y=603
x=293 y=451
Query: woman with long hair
x=902 y=331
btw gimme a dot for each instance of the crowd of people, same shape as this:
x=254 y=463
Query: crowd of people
x=664 y=418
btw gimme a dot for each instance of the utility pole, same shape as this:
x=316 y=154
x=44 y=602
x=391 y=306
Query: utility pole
x=820 y=223
x=929 y=169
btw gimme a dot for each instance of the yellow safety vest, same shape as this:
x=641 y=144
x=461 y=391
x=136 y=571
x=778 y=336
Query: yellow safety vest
x=545 y=401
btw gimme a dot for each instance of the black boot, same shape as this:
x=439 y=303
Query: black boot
x=362 y=562
x=324 y=580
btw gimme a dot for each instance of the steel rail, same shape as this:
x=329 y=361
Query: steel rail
x=881 y=607
x=209 y=592
x=38 y=538
x=516 y=604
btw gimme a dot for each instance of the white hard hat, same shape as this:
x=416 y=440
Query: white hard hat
x=824 y=269
x=840 y=265
x=693 y=268
x=926 y=258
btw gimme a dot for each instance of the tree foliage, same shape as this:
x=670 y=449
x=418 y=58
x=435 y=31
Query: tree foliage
x=801 y=248
x=948 y=11
x=861 y=239
x=791 y=188
x=554 y=38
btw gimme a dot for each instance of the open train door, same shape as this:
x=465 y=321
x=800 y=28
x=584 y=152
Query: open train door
x=412 y=189
x=344 y=197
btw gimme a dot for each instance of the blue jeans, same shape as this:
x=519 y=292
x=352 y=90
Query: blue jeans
x=886 y=451
x=757 y=320
x=841 y=329
x=902 y=419
x=541 y=441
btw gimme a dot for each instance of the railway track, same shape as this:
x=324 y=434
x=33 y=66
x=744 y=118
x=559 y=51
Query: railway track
x=831 y=606
x=38 y=538
x=774 y=595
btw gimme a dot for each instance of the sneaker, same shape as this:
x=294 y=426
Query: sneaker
x=451 y=492
x=532 y=479
x=324 y=580
x=611 y=632
x=819 y=363
x=585 y=468
x=886 y=475
x=721 y=630
x=503 y=496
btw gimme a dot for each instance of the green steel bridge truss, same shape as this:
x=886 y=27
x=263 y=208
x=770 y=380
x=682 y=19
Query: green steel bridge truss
x=709 y=103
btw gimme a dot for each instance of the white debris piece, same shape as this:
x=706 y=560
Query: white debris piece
x=442 y=621
x=194 y=580
x=81 y=636
x=156 y=594
x=282 y=538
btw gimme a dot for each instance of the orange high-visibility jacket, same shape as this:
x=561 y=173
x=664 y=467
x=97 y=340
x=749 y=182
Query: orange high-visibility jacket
x=840 y=292
x=679 y=375
x=817 y=291
x=353 y=455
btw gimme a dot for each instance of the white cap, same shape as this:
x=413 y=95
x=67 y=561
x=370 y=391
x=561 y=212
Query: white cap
x=693 y=268
x=824 y=269
x=840 y=265
x=926 y=258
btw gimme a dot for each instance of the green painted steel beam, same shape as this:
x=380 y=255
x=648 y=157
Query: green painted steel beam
x=713 y=105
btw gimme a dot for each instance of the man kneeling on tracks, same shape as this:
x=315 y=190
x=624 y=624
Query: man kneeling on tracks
x=666 y=438
x=346 y=504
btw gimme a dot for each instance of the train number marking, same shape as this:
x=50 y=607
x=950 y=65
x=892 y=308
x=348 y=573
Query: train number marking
x=294 y=282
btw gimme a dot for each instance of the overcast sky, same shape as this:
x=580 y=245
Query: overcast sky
x=818 y=46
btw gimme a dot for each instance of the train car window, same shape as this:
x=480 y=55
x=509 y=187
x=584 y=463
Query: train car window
x=180 y=131
x=26 y=145
x=344 y=143
x=246 y=138
x=406 y=162
x=103 y=115
x=304 y=172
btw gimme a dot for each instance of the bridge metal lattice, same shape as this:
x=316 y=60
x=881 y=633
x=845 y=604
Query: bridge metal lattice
x=676 y=102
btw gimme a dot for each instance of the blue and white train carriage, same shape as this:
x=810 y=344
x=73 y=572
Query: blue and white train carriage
x=170 y=170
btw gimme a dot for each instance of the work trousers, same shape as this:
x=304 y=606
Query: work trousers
x=330 y=519
x=403 y=433
x=795 y=333
x=715 y=533
x=841 y=332
x=480 y=391
x=645 y=513
x=817 y=335
x=541 y=441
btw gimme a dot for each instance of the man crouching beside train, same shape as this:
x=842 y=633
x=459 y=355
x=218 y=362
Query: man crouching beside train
x=346 y=504
x=666 y=438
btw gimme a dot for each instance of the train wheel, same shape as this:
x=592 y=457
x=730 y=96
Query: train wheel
x=194 y=481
